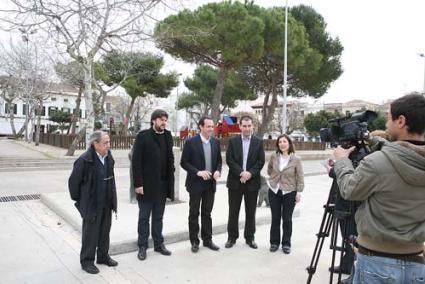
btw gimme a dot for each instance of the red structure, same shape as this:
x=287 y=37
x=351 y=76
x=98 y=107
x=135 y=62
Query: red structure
x=229 y=126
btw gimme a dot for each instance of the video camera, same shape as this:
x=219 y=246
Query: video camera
x=351 y=128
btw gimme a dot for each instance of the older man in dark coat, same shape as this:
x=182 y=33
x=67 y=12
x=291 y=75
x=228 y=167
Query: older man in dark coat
x=153 y=174
x=92 y=187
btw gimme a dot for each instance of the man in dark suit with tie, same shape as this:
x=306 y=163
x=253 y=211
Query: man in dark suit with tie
x=201 y=158
x=245 y=159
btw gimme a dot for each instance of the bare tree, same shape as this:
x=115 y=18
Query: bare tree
x=83 y=28
x=72 y=74
x=28 y=70
x=9 y=94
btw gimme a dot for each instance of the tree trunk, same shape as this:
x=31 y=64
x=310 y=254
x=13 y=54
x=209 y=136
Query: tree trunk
x=37 y=130
x=32 y=118
x=21 y=130
x=77 y=140
x=268 y=110
x=11 y=108
x=102 y=101
x=88 y=98
x=262 y=128
x=26 y=120
x=76 y=115
x=128 y=114
x=215 y=108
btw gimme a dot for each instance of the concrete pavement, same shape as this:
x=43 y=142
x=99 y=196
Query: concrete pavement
x=45 y=249
x=39 y=246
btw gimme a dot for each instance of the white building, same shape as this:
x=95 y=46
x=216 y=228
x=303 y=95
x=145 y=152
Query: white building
x=61 y=97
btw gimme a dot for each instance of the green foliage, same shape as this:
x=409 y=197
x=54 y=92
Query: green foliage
x=97 y=125
x=315 y=84
x=62 y=118
x=379 y=122
x=138 y=72
x=220 y=34
x=202 y=86
x=313 y=56
x=313 y=122
x=223 y=35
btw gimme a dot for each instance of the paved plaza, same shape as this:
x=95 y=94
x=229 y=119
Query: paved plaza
x=39 y=245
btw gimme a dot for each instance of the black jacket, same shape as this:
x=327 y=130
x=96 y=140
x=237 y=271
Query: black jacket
x=146 y=164
x=82 y=183
x=193 y=160
x=255 y=162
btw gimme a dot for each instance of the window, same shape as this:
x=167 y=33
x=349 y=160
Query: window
x=65 y=100
x=6 y=108
x=24 y=109
x=347 y=113
x=108 y=107
x=52 y=110
x=66 y=109
x=74 y=111
x=53 y=99
x=42 y=113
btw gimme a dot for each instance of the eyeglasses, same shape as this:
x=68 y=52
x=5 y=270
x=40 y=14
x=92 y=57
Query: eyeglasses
x=108 y=178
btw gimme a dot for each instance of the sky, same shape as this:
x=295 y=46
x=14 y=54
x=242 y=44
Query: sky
x=381 y=41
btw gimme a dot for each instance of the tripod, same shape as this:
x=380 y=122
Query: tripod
x=331 y=221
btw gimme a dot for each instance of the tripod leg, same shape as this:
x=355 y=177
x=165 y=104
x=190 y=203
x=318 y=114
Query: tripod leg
x=344 y=231
x=333 y=246
x=324 y=230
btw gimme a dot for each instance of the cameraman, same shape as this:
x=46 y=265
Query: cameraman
x=391 y=184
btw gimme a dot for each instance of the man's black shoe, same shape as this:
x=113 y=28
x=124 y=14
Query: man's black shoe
x=142 y=253
x=195 y=248
x=274 y=248
x=109 y=262
x=162 y=250
x=336 y=269
x=90 y=268
x=251 y=244
x=230 y=243
x=286 y=249
x=211 y=245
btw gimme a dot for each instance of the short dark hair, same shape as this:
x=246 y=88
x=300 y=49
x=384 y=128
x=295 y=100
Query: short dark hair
x=201 y=122
x=158 y=113
x=412 y=107
x=245 y=117
x=291 y=148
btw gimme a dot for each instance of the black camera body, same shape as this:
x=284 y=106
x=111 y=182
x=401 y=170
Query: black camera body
x=351 y=128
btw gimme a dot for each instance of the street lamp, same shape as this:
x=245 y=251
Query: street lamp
x=423 y=56
x=285 y=71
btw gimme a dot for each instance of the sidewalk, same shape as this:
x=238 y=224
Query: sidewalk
x=42 y=248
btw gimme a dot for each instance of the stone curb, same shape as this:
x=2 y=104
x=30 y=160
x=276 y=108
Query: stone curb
x=131 y=245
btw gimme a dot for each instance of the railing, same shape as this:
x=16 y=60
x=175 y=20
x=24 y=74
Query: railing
x=61 y=140
x=125 y=142
x=65 y=141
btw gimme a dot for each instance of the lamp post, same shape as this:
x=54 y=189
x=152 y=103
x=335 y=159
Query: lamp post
x=285 y=71
x=423 y=56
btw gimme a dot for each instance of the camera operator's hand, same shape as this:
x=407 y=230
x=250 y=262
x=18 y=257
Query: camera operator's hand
x=379 y=133
x=377 y=139
x=341 y=153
